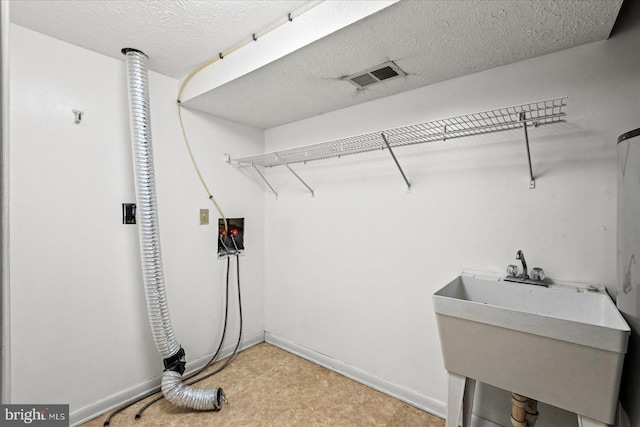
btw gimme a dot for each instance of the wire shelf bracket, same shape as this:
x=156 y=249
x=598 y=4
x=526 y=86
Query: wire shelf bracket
x=501 y=119
x=532 y=180
x=265 y=180
x=284 y=162
x=393 y=156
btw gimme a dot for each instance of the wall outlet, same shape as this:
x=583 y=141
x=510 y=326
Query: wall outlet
x=128 y=213
x=204 y=216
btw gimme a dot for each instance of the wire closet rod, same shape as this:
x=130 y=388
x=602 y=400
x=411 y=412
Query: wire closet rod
x=535 y=113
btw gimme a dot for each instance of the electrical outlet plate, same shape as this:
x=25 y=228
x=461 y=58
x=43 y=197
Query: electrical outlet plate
x=204 y=216
x=128 y=213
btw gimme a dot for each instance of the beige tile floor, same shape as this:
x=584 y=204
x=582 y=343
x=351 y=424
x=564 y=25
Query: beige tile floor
x=267 y=386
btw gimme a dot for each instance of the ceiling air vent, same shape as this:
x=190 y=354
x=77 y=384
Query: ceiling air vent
x=378 y=74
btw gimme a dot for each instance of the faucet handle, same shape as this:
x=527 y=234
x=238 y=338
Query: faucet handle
x=512 y=270
x=537 y=273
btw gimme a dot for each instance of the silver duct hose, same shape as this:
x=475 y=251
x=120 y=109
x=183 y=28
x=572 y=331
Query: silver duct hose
x=147 y=218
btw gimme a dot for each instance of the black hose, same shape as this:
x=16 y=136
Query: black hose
x=155 y=390
x=119 y=409
x=235 y=350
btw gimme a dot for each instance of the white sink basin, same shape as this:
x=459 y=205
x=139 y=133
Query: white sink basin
x=560 y=345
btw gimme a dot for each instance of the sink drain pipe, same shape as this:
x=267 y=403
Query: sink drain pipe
x=524 y=411
x=157 y=309
x=531 y=415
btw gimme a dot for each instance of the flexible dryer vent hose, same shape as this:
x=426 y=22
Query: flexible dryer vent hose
x=174 y=360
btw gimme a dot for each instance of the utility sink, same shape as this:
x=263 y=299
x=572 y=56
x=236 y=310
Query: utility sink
x=562 y=345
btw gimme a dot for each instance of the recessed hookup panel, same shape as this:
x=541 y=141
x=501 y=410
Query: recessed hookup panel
x=230 y=241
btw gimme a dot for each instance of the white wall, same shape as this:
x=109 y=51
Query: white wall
x=350 y=273
x=78 y=317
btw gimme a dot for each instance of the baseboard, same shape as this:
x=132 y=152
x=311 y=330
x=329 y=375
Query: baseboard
x=131 y=394
x=404 y=394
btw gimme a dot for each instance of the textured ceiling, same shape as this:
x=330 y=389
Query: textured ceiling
x=430 y=40
x=178 y=35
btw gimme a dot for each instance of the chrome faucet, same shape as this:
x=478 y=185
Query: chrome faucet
x=537 y=274
x=525 y=272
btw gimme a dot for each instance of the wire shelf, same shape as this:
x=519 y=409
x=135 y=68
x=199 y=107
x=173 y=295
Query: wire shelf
x=501 y=119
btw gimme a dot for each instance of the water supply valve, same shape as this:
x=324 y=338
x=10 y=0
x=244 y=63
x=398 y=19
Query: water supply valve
x=512 y=270
x=537 y=273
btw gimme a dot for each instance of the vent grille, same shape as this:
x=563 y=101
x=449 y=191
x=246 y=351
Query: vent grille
x=364 y=80
x=384 y=73
x=374 y=75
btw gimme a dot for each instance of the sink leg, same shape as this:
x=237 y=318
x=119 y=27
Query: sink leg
x=589 y=422
x=467 y=402
x=460 y=400
x=454 y=399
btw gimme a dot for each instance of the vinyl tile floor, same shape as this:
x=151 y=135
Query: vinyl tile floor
x=267 y=386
